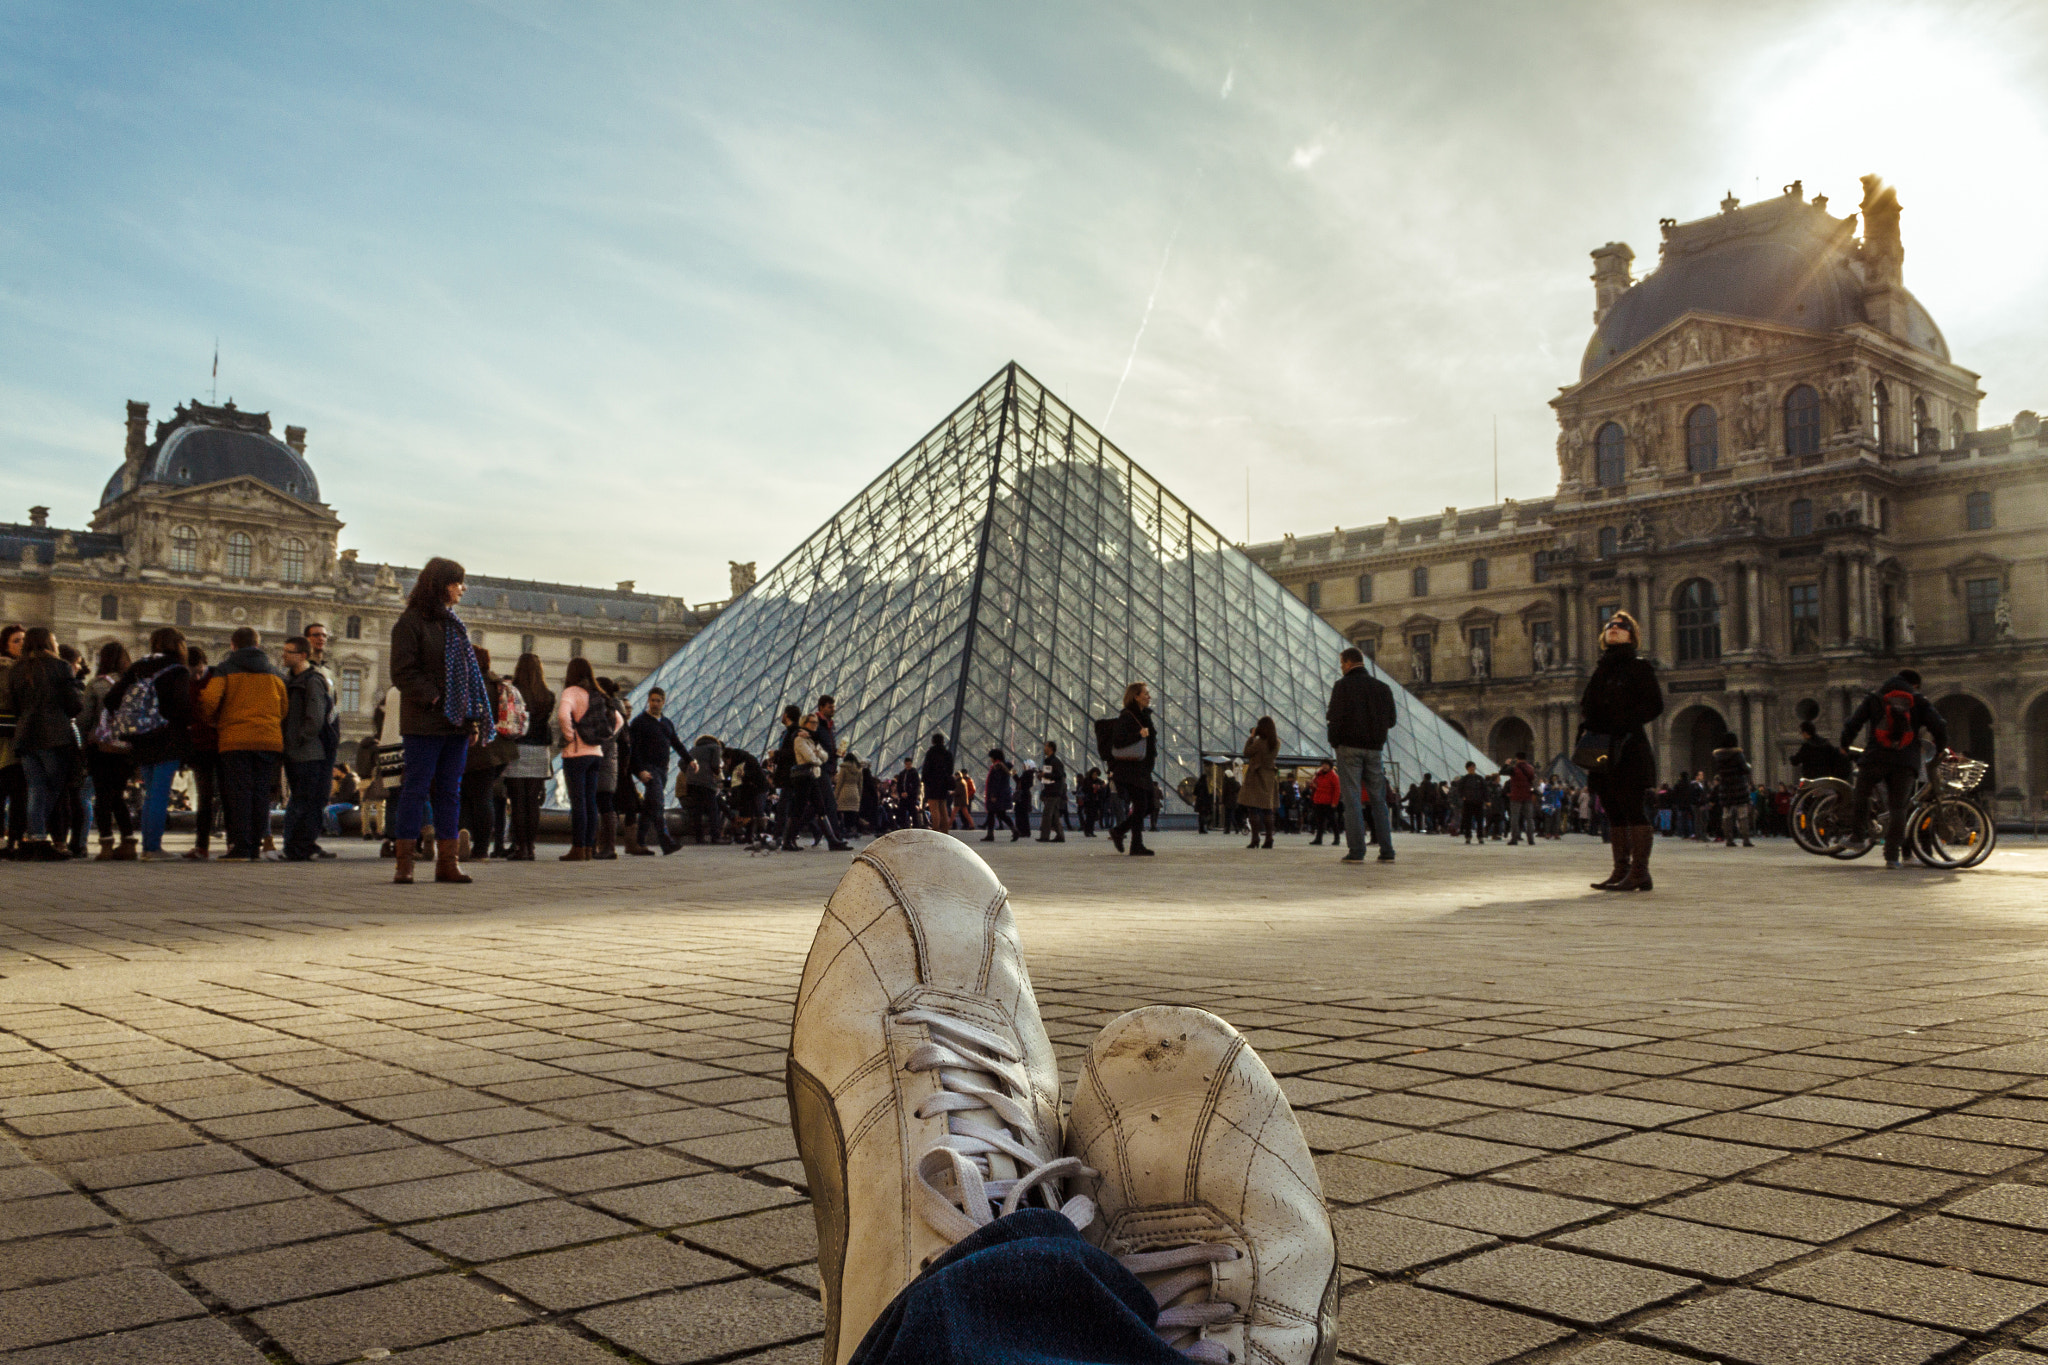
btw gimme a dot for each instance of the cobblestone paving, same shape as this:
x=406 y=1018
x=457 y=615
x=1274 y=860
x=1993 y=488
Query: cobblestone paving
x=1777 y=1111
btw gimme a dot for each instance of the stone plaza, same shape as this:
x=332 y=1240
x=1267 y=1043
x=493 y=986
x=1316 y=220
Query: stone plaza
x=1779 y=1110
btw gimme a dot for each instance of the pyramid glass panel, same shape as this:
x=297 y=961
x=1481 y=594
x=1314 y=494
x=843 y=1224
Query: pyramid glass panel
x=1000 y=584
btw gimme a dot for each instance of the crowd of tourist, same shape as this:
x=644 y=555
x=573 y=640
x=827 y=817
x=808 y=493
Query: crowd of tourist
x=460 y=762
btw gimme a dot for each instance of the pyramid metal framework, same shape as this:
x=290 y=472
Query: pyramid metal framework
x=1000 y=584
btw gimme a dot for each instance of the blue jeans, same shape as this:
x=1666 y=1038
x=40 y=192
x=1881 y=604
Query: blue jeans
x=1025 y=1290
x=654 y=808
x=433 y=770
x=48 y=772
x=1358 y=768
x=308 y=782
x=580 y=776
x=156 y=803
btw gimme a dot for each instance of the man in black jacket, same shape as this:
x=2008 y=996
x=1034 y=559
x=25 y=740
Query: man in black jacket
x=1361 y=713
x=1052 y=801
x=937 y=773
x=1896 y=714
x=653 y=737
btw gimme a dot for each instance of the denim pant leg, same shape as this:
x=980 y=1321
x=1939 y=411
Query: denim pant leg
x=45 y=770
x=1025 y=1290
x=156 y=803
x=581 y=774
x=654 y=807
x=1351 y=773
x=1375 y=780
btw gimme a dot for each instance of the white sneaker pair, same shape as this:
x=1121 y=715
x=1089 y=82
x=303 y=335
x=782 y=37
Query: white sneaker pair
x=925 y=1098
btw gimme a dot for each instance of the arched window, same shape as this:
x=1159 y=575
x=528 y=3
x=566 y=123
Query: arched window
x=184 y=614
x=625 y=655
x=1314 y=596
x=1610 y=456
x=294 y=560
x=1800 y=522
x=1418 y=581
x=1702 y=439
x=1365 y=587
x=1480 y=575
x=1699 y=622
x=1955 y=431
x=1977 y=511
x=1802 y=421
x=526 y=643
x=1610 y=541
x=353 y=628
x=1881 y=415
x=185 y=549
x=1926 y=439
x=110 y=607
x=241 y=554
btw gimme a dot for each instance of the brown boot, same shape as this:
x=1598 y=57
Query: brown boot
x=106 y=853
x=577 y=854
x=448 y=864
x=1638 y=878
x=402 y=875
x=1618 y=842
x=125 y=851
x=631 y=835
x=607 y=831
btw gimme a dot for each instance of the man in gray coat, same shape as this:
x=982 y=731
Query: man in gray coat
x=308 y=771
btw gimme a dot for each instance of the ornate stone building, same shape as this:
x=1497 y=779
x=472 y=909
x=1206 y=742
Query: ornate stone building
x=215 y=523
x=1770 y=459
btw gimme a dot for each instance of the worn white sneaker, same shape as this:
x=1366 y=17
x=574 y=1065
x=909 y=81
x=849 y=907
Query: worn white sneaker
x=922 y=1086
x=1206 y=1189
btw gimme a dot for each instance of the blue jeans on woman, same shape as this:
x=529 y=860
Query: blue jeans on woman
x=433 y=770
x=49 y=775
x=1028 y=1289
x=580 y=775
x=156 y=803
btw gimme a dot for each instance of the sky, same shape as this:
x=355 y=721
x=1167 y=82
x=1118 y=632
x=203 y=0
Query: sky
x=605 y=291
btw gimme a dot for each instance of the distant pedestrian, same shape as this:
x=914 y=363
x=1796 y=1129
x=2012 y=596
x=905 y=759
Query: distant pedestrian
x=1134 y=749
x=936 y=773
x=1261 y=781
x=308 y=773
x=444 y=702
x=244 y=700
x=1472 y=803
x=44 y=696
x=109 y=758
x=1052 y=795
x=653 y=738
x=586 y=720
x=1621 y=698
x=532 y=767
x=1521 y=800
x=997 y=789
x=1360 y=716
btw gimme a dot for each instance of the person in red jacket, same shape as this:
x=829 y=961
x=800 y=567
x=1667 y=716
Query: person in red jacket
x=1521 y=800
x=1323 y=796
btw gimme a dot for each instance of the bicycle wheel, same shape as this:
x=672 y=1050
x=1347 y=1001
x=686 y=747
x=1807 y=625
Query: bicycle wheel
x=1952 y=833
x=1849 y=843
x=1816 y=814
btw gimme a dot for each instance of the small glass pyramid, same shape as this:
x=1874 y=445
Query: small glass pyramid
x=1000 y=584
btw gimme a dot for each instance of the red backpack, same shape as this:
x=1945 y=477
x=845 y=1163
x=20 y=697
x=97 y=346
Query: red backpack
x=1895 y=728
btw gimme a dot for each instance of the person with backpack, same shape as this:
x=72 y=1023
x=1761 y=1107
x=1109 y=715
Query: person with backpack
x=1360 y=715
x=443 y=702
x=1896 y=714
x=154 y=715
x=1731 y=789
x=108 y=762
x=587 y=720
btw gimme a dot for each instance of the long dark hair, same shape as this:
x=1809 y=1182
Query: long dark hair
x=580 y=675
x=113 y=659
x=39 y=640
x=1267 y=731
x=532 y=683
x=430 y=590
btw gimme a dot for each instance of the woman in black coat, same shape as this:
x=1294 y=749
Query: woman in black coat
x=45 y=695
x=443 y=701
x=1135 y=730
x=1621 y=698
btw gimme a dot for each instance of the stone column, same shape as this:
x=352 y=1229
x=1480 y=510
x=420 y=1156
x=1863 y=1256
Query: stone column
x=1753 y=576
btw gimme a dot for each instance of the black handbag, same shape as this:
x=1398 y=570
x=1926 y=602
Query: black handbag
x=1598 y=752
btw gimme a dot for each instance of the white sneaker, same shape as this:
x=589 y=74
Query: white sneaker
x=1206 y=1189
x=922 y=1087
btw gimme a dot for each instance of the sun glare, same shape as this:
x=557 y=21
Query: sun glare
x=1924 y=99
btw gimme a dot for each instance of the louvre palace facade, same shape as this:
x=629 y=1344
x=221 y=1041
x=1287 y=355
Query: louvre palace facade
x=213 y=522
x=1770 y=459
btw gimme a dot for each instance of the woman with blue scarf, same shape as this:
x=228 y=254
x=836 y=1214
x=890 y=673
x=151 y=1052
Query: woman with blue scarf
x=443 y=703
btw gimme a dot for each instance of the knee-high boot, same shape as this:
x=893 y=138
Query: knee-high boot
x=1638 y=878
x=607 y=834
x=404 y=850
x=1619 y=840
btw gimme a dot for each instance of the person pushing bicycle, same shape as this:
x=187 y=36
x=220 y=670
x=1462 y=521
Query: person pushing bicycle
x=1896 y=714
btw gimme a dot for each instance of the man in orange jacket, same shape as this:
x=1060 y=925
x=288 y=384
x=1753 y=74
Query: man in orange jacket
x=245 y=700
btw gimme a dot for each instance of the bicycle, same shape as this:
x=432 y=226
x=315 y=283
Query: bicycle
x=1947 y=828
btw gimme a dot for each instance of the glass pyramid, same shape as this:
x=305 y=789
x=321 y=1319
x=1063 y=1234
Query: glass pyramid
x=1000 y=584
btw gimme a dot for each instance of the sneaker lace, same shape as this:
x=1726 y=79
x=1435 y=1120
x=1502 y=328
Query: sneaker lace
x=982 y=1158
x=981 y=1170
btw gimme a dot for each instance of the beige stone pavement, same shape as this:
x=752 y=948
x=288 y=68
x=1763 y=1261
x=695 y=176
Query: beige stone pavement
x=1779 y=1110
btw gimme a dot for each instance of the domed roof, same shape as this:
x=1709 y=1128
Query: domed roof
x=1783 y=261
x=205 y=445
